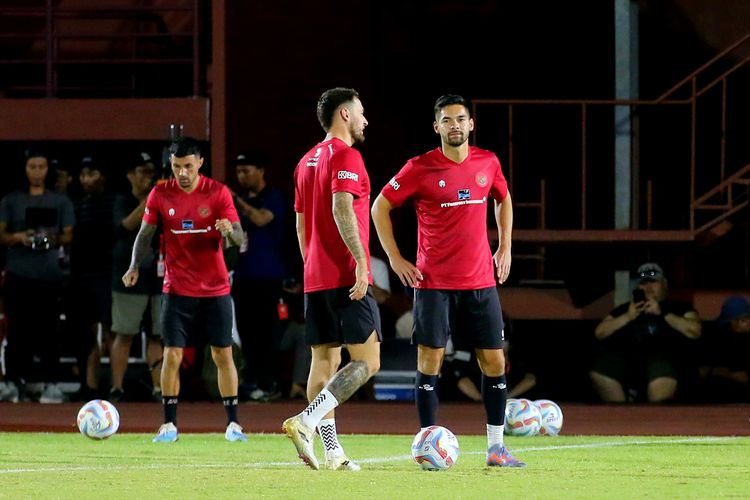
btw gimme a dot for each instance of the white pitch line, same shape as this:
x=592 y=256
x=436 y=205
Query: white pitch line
x=603 y=444
x=376 y=460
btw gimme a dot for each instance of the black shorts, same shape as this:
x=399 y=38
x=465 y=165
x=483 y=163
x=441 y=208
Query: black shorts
x=472 y=318
x=196 y=320
x=636 y=371
x=331 y=317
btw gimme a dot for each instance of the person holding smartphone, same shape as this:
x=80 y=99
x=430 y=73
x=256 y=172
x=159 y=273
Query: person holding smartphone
x=644 y=343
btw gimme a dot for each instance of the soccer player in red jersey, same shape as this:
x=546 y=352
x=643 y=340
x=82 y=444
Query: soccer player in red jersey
x=332 y=202
x=454 y=278
x=198 y=218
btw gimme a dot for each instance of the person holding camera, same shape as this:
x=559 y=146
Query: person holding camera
x=644 y=343
x=34 y=223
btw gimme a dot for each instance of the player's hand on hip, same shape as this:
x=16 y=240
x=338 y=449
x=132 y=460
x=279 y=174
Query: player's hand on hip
x=130 y=277
x=359 y=290
x=224 y=226
x=406 y=271
x=502 y=260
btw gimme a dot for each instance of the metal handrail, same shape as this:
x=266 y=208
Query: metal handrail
x=668 y=98
x=52 y=14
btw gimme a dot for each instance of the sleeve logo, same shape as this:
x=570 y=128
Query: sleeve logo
x=395 y=185
x=344 y=175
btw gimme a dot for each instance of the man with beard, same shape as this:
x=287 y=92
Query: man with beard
x=454 y=279
x=198 y=220
x=332 y=201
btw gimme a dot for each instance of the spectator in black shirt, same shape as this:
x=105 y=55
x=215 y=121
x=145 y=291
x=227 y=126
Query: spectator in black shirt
x=644 y=343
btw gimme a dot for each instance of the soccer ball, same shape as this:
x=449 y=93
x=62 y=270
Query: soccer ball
x=435 y=448
x=98 y=419
x=522 y=418
x=552 y=417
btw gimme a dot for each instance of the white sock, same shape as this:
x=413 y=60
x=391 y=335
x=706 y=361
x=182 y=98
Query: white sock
x=494 y=435
x=318 y=408
x=327 y=431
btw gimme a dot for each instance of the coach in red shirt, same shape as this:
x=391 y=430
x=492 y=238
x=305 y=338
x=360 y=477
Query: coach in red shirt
x=198 y=218
x=454 y=278
x=332 y=200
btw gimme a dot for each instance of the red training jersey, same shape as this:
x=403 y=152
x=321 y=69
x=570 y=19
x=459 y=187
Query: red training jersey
x=330 y=167
x=194 y=261
x=453 y=252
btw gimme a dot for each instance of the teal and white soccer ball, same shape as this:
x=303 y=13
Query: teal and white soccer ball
x=522 y=418
x=552 y=417
x=98 y=419
x=435 y=448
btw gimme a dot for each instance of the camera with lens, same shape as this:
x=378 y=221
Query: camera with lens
x=40 y=242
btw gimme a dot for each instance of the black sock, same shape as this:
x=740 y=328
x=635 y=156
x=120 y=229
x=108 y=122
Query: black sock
x=494 y=395
x=230 y=405
x=427 y=398
x=170 y=409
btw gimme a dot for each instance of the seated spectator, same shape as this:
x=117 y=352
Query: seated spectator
x=725 y=367
x=644 y=343
x=461 y=378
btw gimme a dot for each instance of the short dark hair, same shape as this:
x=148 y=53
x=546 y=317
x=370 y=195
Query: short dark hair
x=330 y=101
x=447 y=100
x=185 y=146
x=34 y=153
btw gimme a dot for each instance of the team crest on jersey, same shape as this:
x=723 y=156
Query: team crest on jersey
x=187 y=224
x=171 y=212
x=441 y=183
x=481 y=179
x=203 y=211
x=464 y=194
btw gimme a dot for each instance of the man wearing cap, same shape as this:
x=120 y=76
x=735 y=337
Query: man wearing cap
x=130 y=304
x=259 y=273
x=725 y=368
x=90 y=267
x=643 y=343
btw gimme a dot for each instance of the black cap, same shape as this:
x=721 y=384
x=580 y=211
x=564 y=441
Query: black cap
x=650 y=271
x=255 y=158
x=92 y=163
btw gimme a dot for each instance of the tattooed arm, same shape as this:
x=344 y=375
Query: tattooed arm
x=232 y=231
x=141 y=249
x=346 y=221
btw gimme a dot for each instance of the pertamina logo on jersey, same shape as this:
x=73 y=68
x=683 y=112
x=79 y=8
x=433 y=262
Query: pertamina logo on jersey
x=188 y=227
x=345 y=174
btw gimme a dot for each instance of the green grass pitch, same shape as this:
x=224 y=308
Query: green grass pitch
x=206 y=466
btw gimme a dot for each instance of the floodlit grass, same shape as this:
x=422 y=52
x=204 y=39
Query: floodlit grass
x=205 y=465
